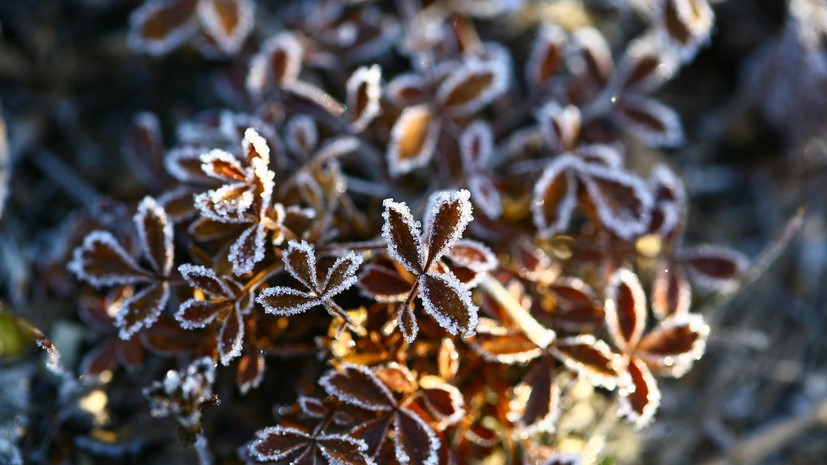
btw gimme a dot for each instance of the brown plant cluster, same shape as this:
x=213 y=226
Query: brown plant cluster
x=450 y=233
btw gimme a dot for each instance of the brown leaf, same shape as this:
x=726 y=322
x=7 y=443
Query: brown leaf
x=250 y=370
x=473 y=255
x=285 y=301
x=474 y=85
x=687 y=24
x=554 y=197
x=277 y=65
x=230 y=338
x=415 y=442
x=160 y=26
x=359 y=386
x=623 y=202
x=445 y=221
x=99 y=359
x=402 y=235
x=195 y=313
x=142 y=309
x=576 y=308
x=342 y=274
x=675 y=344
x=248 y=249
x=363 y=96
x=443 y=400
x=499 y=344
x=383 y=284
x=102 y=261
x=639 y=405
x=541 y=407
x=397 y=378
x=655 y=124
x=413 y=139
x=300 y=262
x=559 y=125
x=155 y=235
x=713 y=268
x=547 y=56
x=592 y=359
x=592 y=59
x=448 y=302
x=227 y=22
x=625 y=309
x=201 y=277
x=671 y=293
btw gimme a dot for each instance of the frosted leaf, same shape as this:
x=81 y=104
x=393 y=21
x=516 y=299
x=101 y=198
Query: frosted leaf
x=499 y=344
x=560 y=126
x=641 y=400
x=155 y=235
x=547 y=56
x=359 y=386
x=577 y=308
x=414 y=441
x=407 y=324
x=101 y=261
x=485 y=195
x=248 y=249
x=300 y=262
x=413 y=139
x=406 y=90
x=673 y=346
x=227 y=22
x=473 y=255
x=277 y=64
x=601 y=154
x=445 y=220
x=342 y=274
x=591 y=359
x=195 y=313
x=476 y=146
x=185 y=165
x=204 y=278
x=623 y=202
x=443 y=400
x=222 y=165
x=448 y=302
x=301 y=135
x=712 y=267
x=231 y=338
x=686 y=25
x=312 y=407
x=344 y=450
x=655 y=124
x=537 y=399
x=671 y=293
x=645 y=66
x=99 y=359
x=383 y=284
x=554 y=197
x=277 y=443
x=141 y=310
x=250 y=371
x=474 y=85
x=159 y=26
x=670 y=197
x=179 y=204
x=592 y=58
x=285 y=301
x=625 y=309
x=363 y=96
x=402 y=234
x=227 y=204
x=397 y=377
